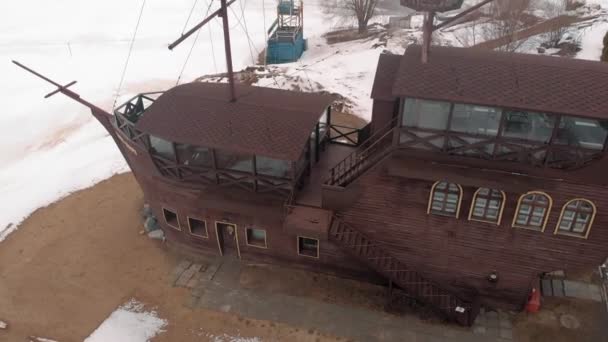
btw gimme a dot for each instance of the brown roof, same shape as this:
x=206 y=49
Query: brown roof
x=264 y=121
x=388 y=65
x=519 y=81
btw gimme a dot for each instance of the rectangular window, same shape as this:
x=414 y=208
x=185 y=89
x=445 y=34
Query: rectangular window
x=171 y=218
x=579 y=132
x=197 y=227
x=426 y=114
x=528 y=126
x=194 y=155
x=162 y=147
x=256 y=237
x=308 y=247
x=273 y=167
x=475 y=119
x=234 y=161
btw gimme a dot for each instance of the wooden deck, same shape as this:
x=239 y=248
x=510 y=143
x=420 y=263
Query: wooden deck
x=310 y=194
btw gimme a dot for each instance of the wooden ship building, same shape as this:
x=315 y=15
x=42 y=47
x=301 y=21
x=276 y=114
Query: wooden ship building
x=479 y=172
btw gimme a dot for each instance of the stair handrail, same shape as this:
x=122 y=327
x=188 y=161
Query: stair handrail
x=380 y=243
x=362 y=150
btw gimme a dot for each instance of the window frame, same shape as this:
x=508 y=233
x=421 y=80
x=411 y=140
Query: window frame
x=305 y=255
x=179 y=225
x=432 y=192
x=589 y=225
x=265 y=246
x=500 y=210
x=206 y=236
x=546 y=216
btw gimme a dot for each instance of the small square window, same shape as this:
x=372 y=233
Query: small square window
x=256 y=237
x=308 y=247
x=197 y=227
x=171 y=218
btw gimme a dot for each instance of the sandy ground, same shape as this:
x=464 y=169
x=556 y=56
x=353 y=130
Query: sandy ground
x=74 y=262
x=545 y=325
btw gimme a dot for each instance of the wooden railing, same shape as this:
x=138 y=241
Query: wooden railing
x=348 y=135
x=127 y=114
x=136 y=106
x=368 y=153
x=208 y=175
x=454 y=307
x=498 y=148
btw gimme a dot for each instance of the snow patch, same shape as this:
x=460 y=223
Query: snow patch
x=49 y=149
x=592 y=42
x=129 y=323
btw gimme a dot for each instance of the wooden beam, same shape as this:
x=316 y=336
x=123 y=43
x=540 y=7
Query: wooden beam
x=461 y=14
x=197 y=27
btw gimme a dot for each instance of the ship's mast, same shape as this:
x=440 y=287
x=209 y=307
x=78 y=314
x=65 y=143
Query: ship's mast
x=430 y=7
x=222 y=12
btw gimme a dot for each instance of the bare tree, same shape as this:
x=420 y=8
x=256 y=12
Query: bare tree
x=507 y=19
x=360 y=10
x=555 y=9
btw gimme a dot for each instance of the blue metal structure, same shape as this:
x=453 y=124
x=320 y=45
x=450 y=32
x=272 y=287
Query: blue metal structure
x=286 y=41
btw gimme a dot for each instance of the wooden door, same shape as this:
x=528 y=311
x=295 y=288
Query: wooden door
x=227 y=239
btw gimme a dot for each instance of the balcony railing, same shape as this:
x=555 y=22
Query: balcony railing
x=498 y=148
x=128 y=113
x=198 y=175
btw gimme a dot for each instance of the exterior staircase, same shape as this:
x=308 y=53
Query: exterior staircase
x=369 y=153
x=450 y=305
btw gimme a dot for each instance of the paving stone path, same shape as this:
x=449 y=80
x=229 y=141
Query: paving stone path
x=558 y=287
x=218 y=289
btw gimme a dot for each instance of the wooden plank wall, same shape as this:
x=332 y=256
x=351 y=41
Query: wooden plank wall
x=281 y=245
x=462 y=253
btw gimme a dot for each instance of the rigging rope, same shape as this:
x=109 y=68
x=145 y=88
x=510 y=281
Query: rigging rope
x=212 y=49
x=124 y=71
x=265 y=32
x=189 y=16
x=249 y=42
x=192 y=48
x=247 y=33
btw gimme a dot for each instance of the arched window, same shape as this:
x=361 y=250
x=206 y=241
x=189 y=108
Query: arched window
x=533 y=210
x=487 y=205
x=445 y=199
x=576 y=218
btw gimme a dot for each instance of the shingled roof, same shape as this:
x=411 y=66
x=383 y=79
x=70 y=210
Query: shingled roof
x=386 y=72
x=518 y=81
x=263 y=121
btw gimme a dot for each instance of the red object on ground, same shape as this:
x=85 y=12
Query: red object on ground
x=533 y=304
